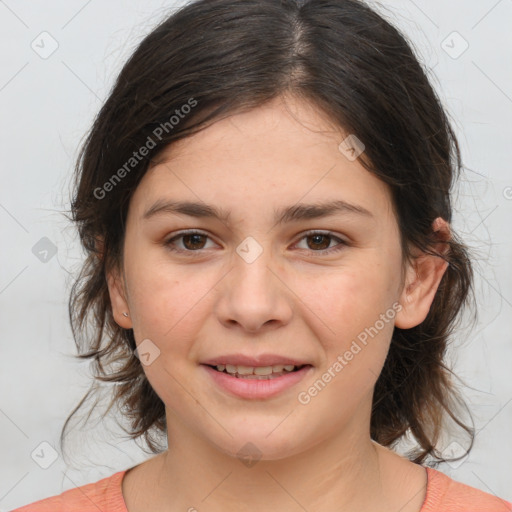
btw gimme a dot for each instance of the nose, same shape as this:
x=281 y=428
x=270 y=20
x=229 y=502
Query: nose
x=253 y=296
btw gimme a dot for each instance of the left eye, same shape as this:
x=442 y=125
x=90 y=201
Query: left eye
x=194 y=241
x=319 y=241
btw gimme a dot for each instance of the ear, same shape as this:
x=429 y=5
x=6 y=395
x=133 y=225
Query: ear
x=116 y=289
x=423 y=276
x=117 y=292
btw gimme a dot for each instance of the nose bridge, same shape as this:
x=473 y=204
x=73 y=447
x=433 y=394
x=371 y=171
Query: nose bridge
x=251 y=272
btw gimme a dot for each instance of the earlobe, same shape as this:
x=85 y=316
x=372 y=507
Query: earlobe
x=423 y=277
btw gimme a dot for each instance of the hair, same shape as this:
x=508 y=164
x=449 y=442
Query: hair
x=211 y=59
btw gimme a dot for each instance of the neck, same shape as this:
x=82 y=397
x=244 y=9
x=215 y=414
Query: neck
x=338 y=474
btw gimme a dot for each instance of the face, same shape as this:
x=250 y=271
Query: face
x=315 y=289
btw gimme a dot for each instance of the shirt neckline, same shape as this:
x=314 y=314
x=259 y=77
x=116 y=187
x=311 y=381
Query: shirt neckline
x=430 y=502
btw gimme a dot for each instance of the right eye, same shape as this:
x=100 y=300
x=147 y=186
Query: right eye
x=193 y=241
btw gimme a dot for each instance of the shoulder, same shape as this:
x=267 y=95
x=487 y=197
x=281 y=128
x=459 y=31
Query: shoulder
x=448 y=495
x=105 y=494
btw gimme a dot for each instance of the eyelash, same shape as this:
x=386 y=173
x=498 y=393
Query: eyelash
x=336 y=248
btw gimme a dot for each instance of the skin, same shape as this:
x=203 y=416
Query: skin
x=292 y=300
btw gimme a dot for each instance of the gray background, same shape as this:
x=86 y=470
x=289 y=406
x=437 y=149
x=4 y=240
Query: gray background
x=47 y=105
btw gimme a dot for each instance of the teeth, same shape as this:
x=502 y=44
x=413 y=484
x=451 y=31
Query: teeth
x=263 y=370
x=246 y=370
x=258 y=370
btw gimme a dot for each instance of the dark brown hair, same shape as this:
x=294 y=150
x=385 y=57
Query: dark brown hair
x=213 y=58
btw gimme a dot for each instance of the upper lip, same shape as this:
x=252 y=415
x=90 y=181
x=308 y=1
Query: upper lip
x=261 y=360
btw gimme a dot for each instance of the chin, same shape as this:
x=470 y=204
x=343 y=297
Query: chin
x=255 y=443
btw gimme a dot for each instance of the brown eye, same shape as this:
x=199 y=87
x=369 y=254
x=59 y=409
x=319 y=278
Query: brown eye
x=317 y=241
x=192 y=241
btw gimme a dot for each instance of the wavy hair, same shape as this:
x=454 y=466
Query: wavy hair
x=211 y=59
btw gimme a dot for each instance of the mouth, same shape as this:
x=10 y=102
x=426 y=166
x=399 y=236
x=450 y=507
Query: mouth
x=257 y=372
x=255 y=382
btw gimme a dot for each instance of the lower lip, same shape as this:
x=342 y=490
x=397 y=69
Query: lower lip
x=256 y=388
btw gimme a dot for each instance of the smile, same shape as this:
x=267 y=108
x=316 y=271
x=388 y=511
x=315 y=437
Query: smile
x=258 y=382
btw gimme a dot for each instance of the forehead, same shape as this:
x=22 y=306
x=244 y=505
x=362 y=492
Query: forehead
x=283 y=152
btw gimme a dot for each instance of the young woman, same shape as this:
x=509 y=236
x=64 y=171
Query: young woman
x=271 y=271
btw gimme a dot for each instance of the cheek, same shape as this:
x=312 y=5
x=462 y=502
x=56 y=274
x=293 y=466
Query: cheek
x=347 y=305
x=170 y=304
x=345 y=301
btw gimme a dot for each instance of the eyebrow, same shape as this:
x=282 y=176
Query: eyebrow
x=294 y=213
